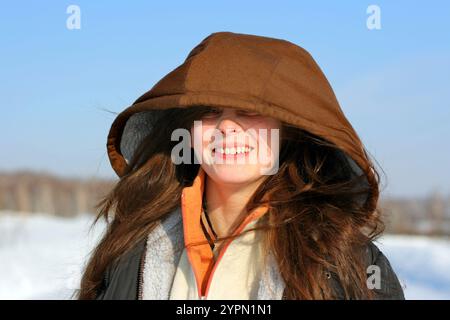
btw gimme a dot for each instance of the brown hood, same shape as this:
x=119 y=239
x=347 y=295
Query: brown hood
x=271 y=76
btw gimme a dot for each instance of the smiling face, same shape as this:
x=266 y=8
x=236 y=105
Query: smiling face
x=236 y=146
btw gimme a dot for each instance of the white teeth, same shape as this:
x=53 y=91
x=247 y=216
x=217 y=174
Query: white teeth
x=233 y=150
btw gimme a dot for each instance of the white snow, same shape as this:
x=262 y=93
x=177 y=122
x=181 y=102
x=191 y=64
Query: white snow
x=42 y=257
x=422 y=264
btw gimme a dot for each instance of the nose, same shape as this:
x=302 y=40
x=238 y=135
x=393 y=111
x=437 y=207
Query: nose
x=228 y=124
x=228 y=127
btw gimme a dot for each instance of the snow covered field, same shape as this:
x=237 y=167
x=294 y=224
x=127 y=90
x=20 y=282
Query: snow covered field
x=42 y=258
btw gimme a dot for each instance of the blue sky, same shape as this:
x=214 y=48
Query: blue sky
x=393 y=83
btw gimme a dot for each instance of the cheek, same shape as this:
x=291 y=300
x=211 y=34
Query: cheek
x=276 y=128
x=271 y=127
x=201 y=135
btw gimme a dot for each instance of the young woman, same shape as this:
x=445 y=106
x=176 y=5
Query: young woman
x=270 y=195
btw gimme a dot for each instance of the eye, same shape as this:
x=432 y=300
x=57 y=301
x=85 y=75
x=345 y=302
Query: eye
x=213 y=112
x=246 y=113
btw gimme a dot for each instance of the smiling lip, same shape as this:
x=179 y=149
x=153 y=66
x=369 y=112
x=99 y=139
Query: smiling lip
x=234 y=146
x=233 y=155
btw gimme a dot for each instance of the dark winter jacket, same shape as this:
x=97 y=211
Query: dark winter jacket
x=124 y=279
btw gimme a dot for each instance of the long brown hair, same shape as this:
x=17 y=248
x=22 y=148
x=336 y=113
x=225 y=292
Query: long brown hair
x=317 y=219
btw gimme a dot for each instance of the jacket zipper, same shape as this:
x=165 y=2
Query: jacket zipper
x=141 y=272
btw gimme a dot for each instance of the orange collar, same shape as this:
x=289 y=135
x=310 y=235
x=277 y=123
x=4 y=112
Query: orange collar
x=201 y=257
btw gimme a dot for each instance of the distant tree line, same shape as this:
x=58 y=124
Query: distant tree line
x=429 y=214
x=27 y=192
x=30 y=192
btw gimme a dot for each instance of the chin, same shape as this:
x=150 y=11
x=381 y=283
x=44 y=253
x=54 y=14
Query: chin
x=234 y=174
